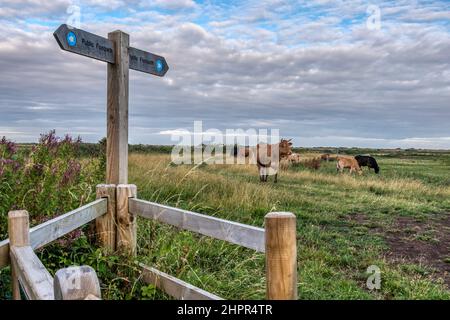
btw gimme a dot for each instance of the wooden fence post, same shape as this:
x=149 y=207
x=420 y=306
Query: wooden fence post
x=117 y=111
x=76 y=283
x=126 y=221
x=106 y=225
x=18 y=232
x=281 y=256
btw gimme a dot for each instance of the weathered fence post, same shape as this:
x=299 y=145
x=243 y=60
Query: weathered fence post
x=117 y=111
x=18 y=232
x=76 y=283
x=106 y=225
x=281 y=256
x=126 y=221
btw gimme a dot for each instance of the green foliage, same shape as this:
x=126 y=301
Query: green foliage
x=334 y=248
x=5 y=283
x=47 y=180
x=117 y=274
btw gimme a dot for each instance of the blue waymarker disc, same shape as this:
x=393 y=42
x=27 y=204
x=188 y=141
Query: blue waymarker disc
x=159 y=65
x=71 y=39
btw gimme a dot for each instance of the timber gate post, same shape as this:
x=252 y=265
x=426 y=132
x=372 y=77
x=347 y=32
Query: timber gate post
x=281 y=256
x=18 y=232
x=105 y=226
x=126 y=221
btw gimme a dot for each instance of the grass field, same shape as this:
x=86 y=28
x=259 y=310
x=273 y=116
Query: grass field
x=398 y=220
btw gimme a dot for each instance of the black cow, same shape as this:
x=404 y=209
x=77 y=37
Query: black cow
x=367 y=161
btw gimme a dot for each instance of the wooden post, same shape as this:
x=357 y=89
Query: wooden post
x=76 y=283
x=126 y=221
x=117 y=111
x=18 y=232
x=106 y=225
x=281 y=256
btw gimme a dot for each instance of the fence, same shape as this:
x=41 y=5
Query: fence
x=28 y=272
x=115 y=212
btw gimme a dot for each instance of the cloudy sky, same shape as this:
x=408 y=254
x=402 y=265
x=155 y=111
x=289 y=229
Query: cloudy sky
x=327 y=73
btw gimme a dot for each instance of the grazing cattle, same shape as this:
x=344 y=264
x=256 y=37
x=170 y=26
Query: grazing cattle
x=368 y=161
x=348 y=163
x=294 y=158
x=265 y=154
x=332 y=158
x=244 y=154
x=242 y=151
x=325 y=157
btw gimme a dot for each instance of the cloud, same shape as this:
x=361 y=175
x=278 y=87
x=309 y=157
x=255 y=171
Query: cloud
x=171 y=5
x=312 y=70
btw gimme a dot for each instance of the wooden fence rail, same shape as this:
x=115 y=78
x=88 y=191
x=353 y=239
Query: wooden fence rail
x=28 y=272
x=233 y=232
x=174 y=287
x=57 y=227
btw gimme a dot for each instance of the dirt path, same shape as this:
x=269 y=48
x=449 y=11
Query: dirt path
x=425 y=243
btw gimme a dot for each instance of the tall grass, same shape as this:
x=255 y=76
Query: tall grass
x=333 y=251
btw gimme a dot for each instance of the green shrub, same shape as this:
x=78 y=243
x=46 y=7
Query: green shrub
x=47 y=180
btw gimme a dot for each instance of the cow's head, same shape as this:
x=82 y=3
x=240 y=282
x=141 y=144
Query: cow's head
x=285 y=147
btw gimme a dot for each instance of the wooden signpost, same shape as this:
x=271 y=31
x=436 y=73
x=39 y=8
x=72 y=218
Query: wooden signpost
x=103 y=49
x=114 y=50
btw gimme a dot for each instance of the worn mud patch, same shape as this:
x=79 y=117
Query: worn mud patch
x=421 y=242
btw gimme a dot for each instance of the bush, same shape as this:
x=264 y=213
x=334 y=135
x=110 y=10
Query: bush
x=47 y=180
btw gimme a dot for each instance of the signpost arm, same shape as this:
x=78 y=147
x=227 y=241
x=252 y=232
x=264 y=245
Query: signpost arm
x=117 y=111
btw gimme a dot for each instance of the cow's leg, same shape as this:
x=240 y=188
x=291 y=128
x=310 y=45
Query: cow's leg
x=276 y=177
x=262 y=174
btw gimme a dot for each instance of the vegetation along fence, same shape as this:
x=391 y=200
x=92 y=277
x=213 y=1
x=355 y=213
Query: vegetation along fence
x=115 y=212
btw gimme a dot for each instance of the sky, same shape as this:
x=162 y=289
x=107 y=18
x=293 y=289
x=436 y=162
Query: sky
x=325 y=73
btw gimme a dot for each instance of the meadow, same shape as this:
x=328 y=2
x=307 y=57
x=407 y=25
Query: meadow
x=398 y=221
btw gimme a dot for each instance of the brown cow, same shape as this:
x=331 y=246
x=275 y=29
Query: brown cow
x=265 y=154
x=348 y=163
x=245 y=152
x=294 y=158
